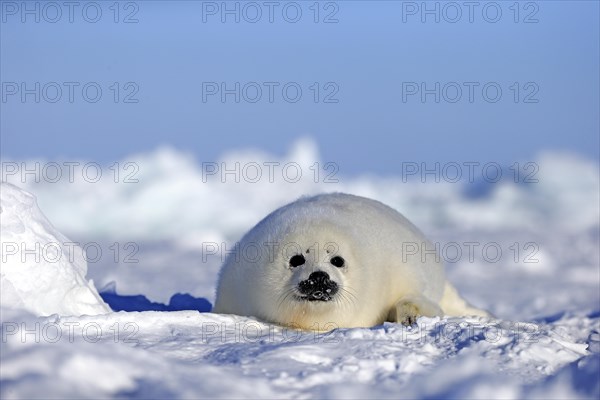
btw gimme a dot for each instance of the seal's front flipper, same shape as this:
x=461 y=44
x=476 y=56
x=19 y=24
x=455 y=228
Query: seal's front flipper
x=408 y=309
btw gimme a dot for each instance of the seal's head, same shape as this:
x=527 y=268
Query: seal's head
x=302 y=277
x=315 y=265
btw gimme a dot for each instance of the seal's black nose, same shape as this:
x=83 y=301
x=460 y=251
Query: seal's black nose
x=318 y=287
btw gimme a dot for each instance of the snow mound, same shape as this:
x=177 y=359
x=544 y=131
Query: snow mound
x=41 y=270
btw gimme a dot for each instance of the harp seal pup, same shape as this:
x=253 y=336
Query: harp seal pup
x=336 y=261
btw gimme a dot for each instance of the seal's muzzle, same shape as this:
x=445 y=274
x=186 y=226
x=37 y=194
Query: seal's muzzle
x=318 y=287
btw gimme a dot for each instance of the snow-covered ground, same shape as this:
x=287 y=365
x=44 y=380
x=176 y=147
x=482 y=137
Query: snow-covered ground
x=528 y=251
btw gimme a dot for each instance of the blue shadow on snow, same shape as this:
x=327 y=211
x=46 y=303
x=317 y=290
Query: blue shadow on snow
x=178 y=302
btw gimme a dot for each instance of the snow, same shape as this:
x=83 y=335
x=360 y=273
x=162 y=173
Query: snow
x=60 y=341
x=191 y=355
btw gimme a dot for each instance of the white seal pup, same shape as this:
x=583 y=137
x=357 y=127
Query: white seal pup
x=336 y=261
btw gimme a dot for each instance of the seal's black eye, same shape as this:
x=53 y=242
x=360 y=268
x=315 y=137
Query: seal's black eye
x=297 y=260
x=337 y=261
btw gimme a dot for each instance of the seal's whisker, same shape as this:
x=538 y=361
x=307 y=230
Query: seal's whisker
x=347 y=293
x=284 y=296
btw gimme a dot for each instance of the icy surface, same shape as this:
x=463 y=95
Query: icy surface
x=544 y=290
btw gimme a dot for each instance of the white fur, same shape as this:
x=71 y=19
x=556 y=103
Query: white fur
x=377 y=283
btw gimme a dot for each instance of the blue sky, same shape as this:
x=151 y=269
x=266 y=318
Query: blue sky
x=371 y=61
